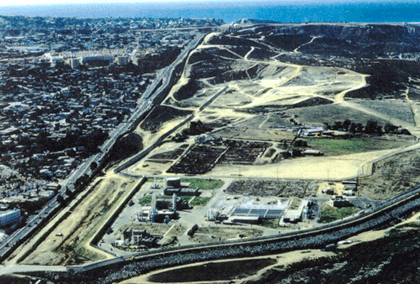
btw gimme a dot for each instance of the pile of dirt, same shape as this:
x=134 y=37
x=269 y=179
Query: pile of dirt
x=217 y=234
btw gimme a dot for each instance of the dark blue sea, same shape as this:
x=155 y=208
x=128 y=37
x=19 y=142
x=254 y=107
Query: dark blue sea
x=230 y=12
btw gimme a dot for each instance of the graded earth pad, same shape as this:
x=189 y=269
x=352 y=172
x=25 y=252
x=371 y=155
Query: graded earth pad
x=246 y=84
x=392 y=176
x=217 y=234
x=67 y=243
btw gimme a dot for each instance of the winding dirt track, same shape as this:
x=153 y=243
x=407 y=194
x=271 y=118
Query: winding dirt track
x=272 y=87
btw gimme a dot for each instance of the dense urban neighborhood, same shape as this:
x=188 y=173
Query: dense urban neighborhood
x=66 y=84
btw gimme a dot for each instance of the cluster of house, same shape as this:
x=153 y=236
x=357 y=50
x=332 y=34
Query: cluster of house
x=28 y=198
x=34 y=36
x=136 y=45
x=46 y=133
x=52 y=116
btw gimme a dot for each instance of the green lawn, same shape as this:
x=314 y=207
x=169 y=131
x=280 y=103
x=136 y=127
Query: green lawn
x=330 y=214
x=342 y=146
x=203 y=184
x=145 y=200
x=331 y=146
x=200 y=201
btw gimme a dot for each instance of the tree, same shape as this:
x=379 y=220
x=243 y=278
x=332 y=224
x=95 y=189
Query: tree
x=371 y=127
x=69 y=192
x=93 y=166
x=337 y=125
x=297 y=153
x=353 y=128
x=346 y=124
x=301 y=143
x=359 y=128
x=60 y=198
x=388 y=128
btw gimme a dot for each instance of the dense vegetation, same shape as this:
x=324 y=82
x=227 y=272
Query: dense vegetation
x=330 y=214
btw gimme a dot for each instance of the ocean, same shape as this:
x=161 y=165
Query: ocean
x=343 y=12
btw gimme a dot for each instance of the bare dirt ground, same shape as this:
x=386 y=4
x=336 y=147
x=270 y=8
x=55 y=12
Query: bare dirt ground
x=325 y=168
x=249 y=133
x=80 y=225
x=391 y=176
x=262 y=95
x=157 y=229
x=217 y=234
x=284 y=259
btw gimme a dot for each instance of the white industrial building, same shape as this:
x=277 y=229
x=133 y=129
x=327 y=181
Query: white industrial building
x=74 y=62
x=122 y=60
x=294 y=215
x=248 y=212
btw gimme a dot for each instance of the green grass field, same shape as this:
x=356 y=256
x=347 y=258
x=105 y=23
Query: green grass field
x=330 y=214
x=200 y=201
x=350 y=146
x=203 y=184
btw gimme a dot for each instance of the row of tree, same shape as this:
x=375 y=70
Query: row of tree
x=371 y=127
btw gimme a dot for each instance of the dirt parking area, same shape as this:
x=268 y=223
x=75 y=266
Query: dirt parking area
x=66 y=243
x=223 y=233
x=337 y=187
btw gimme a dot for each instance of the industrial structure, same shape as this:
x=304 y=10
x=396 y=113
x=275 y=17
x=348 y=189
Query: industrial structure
x=9 y=218
x=162 y=209
x=140 y=237
x=174 y=186
x=247 y=211
x=89 y=58
x=293 y=214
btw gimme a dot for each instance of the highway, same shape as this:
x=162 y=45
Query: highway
x=163 y=78
x=159 y=141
